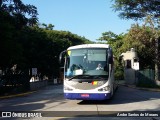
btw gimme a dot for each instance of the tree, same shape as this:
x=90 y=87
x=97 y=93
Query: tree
x=50 y=27
x=12 y=21
x=116 y=42
x=17 y=9
x=142 y=9
x=142 y=39
x=41 y=48
x=137 y=9
x=47 y=27
x=10 y=49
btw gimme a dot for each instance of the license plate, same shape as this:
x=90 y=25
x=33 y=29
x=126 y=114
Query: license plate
x=84 y=95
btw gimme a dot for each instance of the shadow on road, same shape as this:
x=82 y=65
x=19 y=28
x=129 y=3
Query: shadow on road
x=125 y=95
x=41 y=100
x=34 y=101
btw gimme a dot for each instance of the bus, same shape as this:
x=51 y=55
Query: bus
x=88 y=72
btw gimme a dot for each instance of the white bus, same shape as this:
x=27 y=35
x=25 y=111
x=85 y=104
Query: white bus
x=88 y=72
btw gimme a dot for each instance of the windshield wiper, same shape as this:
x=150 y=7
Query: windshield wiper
x=100 y=77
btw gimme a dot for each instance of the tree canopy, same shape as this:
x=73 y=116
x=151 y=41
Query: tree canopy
x=139 y=37
x=148 y=10
x=137 y=9
x=27 y=44
x=18 y=10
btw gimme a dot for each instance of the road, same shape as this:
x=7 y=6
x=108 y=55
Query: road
x=51 y=99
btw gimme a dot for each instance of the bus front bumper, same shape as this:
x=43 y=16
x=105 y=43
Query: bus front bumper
x=87 y=96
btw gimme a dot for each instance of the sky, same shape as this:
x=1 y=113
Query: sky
x=88 y=18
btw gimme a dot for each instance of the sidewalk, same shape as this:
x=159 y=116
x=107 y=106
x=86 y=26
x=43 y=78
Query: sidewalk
x=139 y=88
x=27 y=92
x=142 y=88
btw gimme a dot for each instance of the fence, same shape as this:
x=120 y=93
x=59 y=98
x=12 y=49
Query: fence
x=13 y=83
x=149 y=73
x=16 y=83
x=146 y=78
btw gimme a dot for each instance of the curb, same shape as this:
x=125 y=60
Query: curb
x=17 y=95
x=20 y=94
x=146 y=89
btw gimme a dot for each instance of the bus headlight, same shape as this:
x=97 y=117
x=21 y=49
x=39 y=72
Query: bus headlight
x=67 y=88
x=107 y=88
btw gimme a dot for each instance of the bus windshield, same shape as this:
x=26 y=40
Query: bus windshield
x=87 y=62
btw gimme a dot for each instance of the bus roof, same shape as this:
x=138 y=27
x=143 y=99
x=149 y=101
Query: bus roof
x=89 y=46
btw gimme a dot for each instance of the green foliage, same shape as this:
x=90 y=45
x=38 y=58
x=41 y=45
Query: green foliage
x=12 y=20
x=148 y=10
x=137 y=9
x=8 y=42
x=142 y=39
x=17 y=9
x=47 y=27
x=41 y=48
x=68 y=36
x=139 y=37
x=115 y=41
x=31 y=46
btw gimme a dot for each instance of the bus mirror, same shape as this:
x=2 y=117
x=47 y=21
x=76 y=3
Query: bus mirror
x=110 y=57
x=110 y=60
x=61 y=56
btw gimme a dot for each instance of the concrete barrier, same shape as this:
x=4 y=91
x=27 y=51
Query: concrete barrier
x=38 y=84
x=55 y=81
